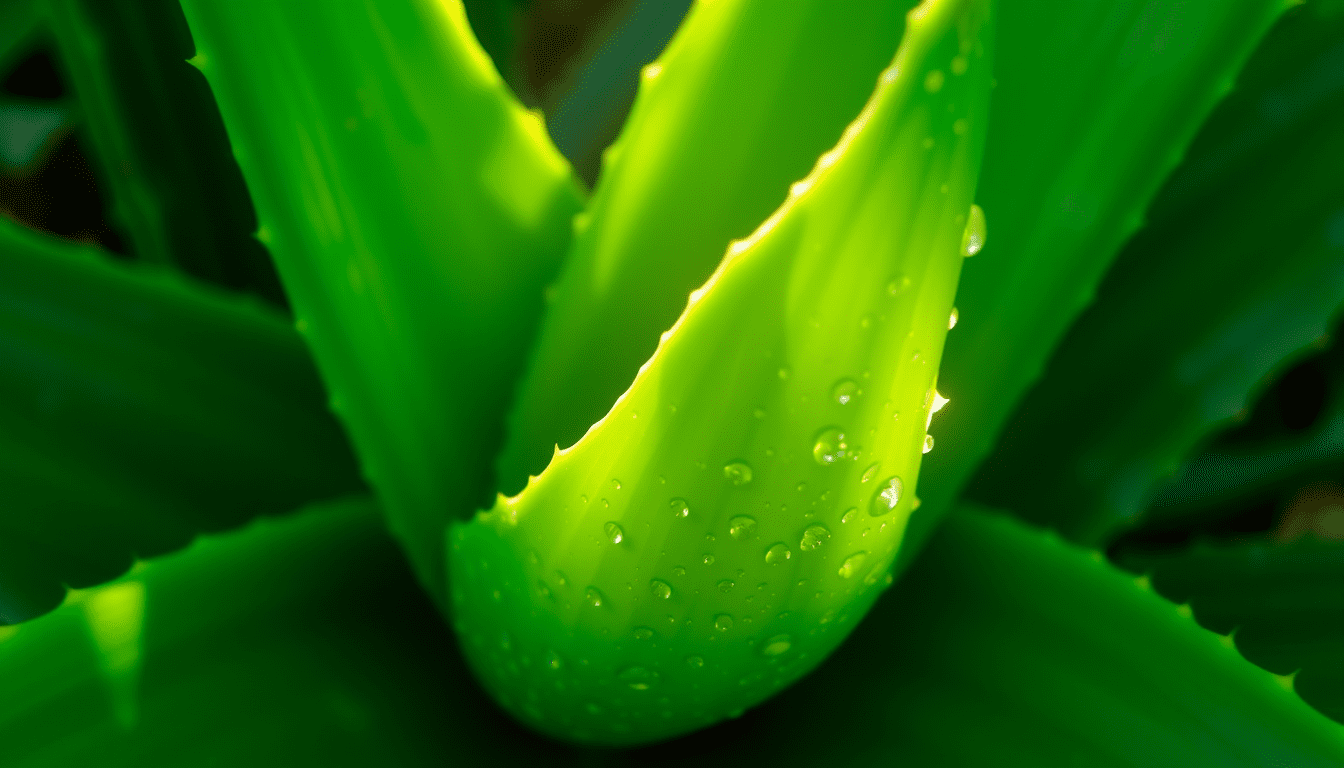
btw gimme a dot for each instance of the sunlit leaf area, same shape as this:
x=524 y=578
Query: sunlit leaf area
x=671 y=382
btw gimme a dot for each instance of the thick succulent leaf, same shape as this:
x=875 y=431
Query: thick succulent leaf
x=1093 y=105
x=1240 y=268
x=1283 y=600
x=305 y=639
x=157 y=134
x=727 y=523
x=739 y=106
x=137 y=410
x=415 y=212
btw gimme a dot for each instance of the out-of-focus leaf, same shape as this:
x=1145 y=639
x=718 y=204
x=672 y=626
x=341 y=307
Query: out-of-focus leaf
x=415 y=212
x=304 y=639
x=18 y=18
x=137 y=410
x=739 y=106
x=158 y=138
x=1094 y=103
x=1240 y=267
x=727 y=524
x=1283 y=601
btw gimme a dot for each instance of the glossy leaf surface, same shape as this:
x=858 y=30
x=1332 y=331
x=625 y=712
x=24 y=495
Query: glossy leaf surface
x=138 y=409
x=729 y=521
x=307 y=638
x=738 y=107
x=414 y=211
x=1240 y=268
x=1094 y=104
x=1284 y=602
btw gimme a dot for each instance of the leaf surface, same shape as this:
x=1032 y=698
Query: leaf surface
x=1240 y=269
x=138 y=409
x=1093 y=106
x=739 y=106
x=415 y=212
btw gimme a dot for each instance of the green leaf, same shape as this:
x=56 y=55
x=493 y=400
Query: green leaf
x=305 y=639
x=738 y=107
x=1093 y=105
x=414 y=211
x=137 y=410
x=1284 y=602
x=157 y=134
x=1240 y=269
x=724 y=527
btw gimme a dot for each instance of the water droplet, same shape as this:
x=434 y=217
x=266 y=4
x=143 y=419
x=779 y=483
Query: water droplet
x=561 y=578
x=695 y=662
x=779 y=644
x=643 y=633
x=614 y=533
x=960 y=126
x=543 y=589
x=830 y=447
x=593 y=597
x=680 y=508
x=723 y=622
x=678 y=571
x=660 y=589
x=638 y=678
x=725 y=586
x=953 y=318
x=553 y=661
x=777 y=553
x=870 y=472
x=973 y=238
x=616 y=484
x=933 y=81
x=844 y=391
x=814 y=536
x=898 y=285
x=851 y=564
x=887 y=497
x=742 y=527
x=709 y=559
x=959 y=65
x=928 y=443
x=849 y=514
x=784 y=373
x=737 y=472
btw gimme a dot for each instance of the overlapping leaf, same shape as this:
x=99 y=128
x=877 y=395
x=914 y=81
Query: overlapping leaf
x=137 y=410
x=414 y=211
x=1241 y=267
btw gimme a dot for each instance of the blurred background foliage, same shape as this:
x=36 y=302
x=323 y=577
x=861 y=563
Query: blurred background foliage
x=1248 y=529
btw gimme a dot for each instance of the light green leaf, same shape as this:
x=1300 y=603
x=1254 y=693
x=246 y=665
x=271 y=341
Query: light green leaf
x=414 y=211
x=724 y=527
x=738 y=107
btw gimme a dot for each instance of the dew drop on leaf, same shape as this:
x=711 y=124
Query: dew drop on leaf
x=643 y=633
x=973 y=238
x=928 y=443
x=829 y=446
x=695 y=662
x=849 y=514
x=638 y=678
x=660 y=589
x=614 y=533
x=953 y=318
x=593 y=597
x=725 y=586
x=870 y=472
x=888 y=495
x=737 y=472
x=844 y=391
x=777 y=645
x=742 y=527
x=813 y=537
x=777 y=553
x=680 y=508
x=852 y=564
x=723 y=622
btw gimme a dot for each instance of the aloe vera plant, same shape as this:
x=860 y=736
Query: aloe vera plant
x=677 y=453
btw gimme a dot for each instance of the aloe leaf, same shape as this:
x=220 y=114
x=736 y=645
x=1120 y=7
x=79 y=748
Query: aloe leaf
x=246 y=653
x=414 y=211
x=727 y=523
x=1282 y=601
x=739 y=106
x=1240 y=268
x=158 y=137
x=137 y=410
x=1093 y=105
